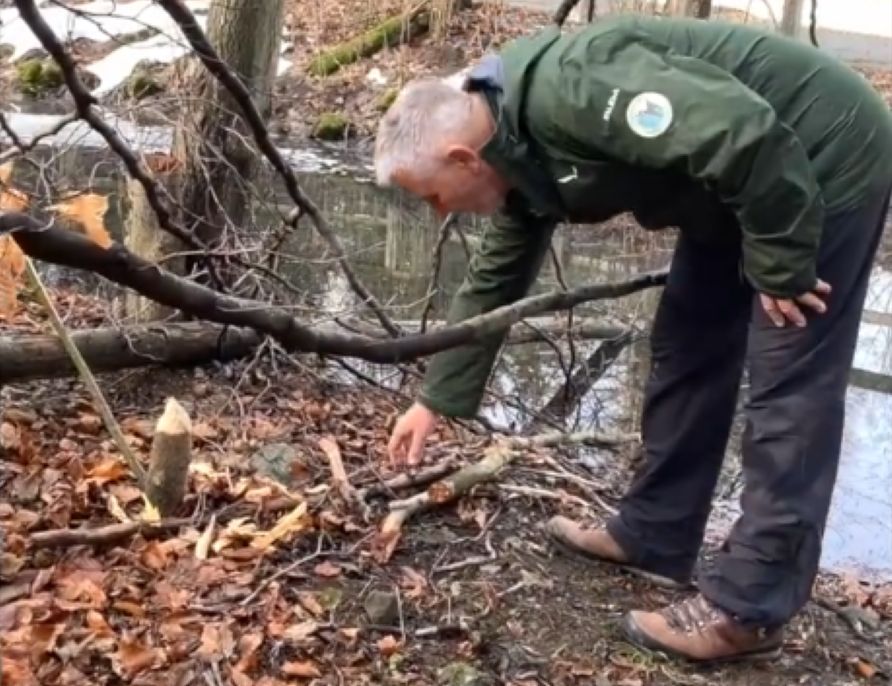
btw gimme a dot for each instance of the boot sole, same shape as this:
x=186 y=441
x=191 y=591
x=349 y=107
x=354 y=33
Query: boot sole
x=657 y=580
x=641 y=640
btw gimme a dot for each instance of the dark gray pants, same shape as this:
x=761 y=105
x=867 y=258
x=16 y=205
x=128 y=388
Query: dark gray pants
x=708 y=323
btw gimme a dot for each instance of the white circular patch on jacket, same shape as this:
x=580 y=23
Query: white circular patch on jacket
x=649 y=114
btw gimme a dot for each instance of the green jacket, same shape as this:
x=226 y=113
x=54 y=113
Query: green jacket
x=719 y=129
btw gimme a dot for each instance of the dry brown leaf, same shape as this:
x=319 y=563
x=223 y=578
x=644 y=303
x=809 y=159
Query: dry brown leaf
x=130 y=608
x=310 y=604
x=154 y=556
x=10 y=565
x=88 y=211
x=388 y=645
x=300 y=632
x=133 y=657
x=327 y=570
x=97 y=624
x=81 y=585
x=248 y=645
x=12 y=266
x=307 y=669
x=865 y=669
x=414 y=582
x=108 y=469
x=16 y=671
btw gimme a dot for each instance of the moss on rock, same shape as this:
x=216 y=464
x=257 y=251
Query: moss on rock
x=331 y=126
x=385 y=100
x=37 y=76
x=143 y=82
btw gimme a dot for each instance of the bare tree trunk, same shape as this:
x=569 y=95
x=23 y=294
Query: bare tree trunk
x=212 y=145
x=690 y=8
x=790 y=23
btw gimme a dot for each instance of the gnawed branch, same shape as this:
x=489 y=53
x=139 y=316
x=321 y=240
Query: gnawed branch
x=239 y=92
x=117 y=264
x=462 y=481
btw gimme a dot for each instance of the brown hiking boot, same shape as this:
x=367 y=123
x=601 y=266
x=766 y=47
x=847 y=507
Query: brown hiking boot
x=696 y=630
x=598 y=544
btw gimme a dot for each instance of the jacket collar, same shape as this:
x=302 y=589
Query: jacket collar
x=502 y=80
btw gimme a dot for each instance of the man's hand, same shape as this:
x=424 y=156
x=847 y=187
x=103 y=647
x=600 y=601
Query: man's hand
x=407 y=440
x=780 y=310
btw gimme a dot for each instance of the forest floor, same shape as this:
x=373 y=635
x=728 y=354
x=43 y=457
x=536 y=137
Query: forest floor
x=357 y=93
x=275 y=577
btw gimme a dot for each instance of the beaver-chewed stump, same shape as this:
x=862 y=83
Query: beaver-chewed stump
x=170 y=458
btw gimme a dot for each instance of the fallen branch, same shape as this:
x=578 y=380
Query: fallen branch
x=461 y=482
x=112 y=533
x=116 y=263
x=239 y=92
x=60 y=538
x=407 y=480
x=111 y=349
x=439 y=493
x=85 y=103
x=86 y=375
x=338 y=473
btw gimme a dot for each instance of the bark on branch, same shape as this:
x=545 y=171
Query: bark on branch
x=462 y=481
x=117 y=264
x=239 y=92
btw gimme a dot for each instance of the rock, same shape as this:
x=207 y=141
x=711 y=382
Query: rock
x=462 y=674
x=382 y=608
x=275 y=461
x=144 y=81
x=376 y=77
x=37 y=76
x=331 y=126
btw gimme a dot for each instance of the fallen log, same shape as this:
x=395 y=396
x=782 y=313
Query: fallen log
x=110 y=349
x=393 y=31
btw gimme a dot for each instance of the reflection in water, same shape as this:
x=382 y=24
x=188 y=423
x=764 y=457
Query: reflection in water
x=391 y=240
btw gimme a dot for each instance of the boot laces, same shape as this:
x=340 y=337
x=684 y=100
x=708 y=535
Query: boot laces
x=694 y=614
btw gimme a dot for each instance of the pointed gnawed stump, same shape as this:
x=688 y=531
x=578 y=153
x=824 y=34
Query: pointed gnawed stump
x=170 y=457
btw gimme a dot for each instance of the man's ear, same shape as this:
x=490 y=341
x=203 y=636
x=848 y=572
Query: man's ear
x=464 y=156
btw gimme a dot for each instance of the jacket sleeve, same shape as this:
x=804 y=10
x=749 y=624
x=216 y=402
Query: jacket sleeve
x=720 y=133
x=501 y=271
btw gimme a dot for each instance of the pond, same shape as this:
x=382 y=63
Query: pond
x=391 y=239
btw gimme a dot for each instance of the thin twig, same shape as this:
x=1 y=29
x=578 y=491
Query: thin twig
x=282 y=572
x=86 y=375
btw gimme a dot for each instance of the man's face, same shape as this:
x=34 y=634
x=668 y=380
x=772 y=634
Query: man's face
x=460 y=181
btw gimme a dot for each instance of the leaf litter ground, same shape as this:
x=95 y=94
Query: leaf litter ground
x=270 y=576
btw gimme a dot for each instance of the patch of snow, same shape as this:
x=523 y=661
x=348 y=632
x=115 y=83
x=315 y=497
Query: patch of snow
x=116 y=67
x=104 y=19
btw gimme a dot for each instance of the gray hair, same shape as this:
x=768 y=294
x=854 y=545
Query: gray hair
x=426 y=109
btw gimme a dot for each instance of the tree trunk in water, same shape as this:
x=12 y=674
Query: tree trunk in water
x=213 y=149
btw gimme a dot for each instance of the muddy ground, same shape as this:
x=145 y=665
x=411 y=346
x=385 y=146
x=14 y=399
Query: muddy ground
x=472 y=593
